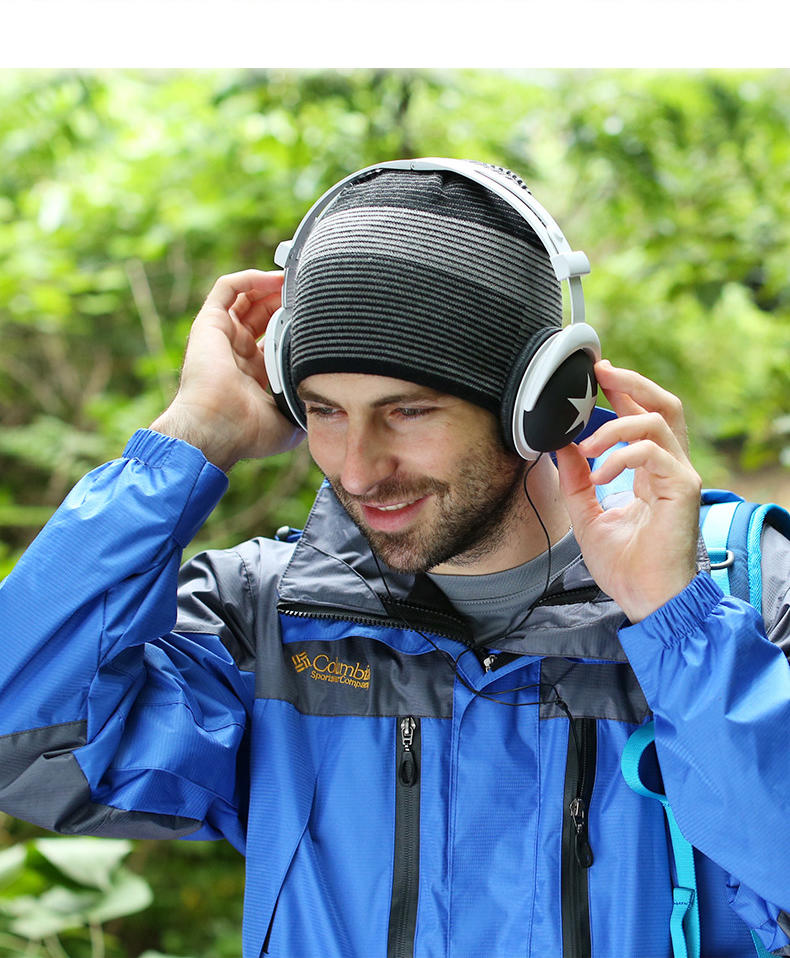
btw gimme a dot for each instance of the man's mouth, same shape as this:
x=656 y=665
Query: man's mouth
x=391 y=516
x=393 y=507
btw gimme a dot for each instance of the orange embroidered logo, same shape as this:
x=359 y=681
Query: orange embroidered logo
x=301 y=661
x=326 y=669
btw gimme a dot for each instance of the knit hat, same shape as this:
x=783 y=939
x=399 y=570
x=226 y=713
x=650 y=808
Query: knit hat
x=423 y=276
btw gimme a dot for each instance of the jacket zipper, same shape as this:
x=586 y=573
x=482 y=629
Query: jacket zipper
x=577 y=854
x=441 y=626
x=406 y=868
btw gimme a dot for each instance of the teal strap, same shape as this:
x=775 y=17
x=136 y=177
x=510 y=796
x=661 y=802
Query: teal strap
x=684 y=921
x=682 y=900
x=754 y=557
x=715 y=532
x=777 y=517
x=762 y=951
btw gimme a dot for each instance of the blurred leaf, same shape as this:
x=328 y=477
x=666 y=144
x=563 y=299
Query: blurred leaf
x=12 y=860
x=127 y=895
x=87 y=861
x=54 y=911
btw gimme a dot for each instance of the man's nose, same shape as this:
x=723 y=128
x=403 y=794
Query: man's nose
x=368 y=459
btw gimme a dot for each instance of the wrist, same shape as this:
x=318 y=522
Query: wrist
x=178 y=423
x=641 y=605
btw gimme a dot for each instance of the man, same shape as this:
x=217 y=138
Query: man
x=411 y=717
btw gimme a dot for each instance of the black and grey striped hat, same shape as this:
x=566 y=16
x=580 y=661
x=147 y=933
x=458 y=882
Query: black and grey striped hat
x=423 y=276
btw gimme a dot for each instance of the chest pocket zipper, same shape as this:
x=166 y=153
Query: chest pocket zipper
x=406 y=870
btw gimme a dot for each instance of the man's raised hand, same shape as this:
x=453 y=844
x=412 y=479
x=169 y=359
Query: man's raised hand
x=644 y=553
x=222 y=405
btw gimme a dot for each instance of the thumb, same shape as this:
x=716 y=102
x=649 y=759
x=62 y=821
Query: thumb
x=577 y=488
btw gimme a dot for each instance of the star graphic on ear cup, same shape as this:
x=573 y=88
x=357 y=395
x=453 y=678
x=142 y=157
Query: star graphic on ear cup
x=584 y=407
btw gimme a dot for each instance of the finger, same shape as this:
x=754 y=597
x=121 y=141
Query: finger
x=256 y=319
x=648 y=395
x=247 y=355
x=243 y=342
x=646 y=455
x=255 y=367
x=629 y=429
x=576 y=486
x=240 y=306
x=622 y=403
x=227 y=288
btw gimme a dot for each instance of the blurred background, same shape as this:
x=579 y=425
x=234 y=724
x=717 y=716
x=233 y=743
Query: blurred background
x=124 y=194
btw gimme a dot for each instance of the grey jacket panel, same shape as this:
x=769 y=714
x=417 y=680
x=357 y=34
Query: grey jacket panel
x=784 y=923
x=232 y=593
x=355 y=676
x=602 y=690
x=33 y=760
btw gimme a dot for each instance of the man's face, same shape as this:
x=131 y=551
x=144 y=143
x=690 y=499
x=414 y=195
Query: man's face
x=423 y=474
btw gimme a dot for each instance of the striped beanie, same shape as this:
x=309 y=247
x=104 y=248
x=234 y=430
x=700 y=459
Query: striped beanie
x=423 y=276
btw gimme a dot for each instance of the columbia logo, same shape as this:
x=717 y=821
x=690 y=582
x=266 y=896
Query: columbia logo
x=324 y=668
x=301 y=661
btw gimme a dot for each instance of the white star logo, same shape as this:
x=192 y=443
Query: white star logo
x=584 y=407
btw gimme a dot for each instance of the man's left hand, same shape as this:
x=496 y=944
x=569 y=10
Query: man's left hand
x=644 y=553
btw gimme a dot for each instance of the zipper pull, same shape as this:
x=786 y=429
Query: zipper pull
x=578 y=810
x=407 y=771
x=489 y=661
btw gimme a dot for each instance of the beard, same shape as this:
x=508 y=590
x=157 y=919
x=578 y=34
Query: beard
x=469 y=511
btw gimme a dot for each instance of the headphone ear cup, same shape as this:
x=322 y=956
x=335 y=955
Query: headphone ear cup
x=564 y=406
x=288 y=402
x=508 y=420
x=562 y=361
x=277 y=359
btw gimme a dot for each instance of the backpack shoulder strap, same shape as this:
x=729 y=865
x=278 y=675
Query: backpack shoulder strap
x=732 y=529
x=724 y=521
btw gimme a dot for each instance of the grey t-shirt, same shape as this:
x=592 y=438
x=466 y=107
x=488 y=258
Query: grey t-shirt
x=497 y=602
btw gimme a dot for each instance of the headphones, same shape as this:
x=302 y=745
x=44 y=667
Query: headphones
x=551 y=390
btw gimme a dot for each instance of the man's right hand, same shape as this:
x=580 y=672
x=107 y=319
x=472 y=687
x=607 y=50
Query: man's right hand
x=222 y=405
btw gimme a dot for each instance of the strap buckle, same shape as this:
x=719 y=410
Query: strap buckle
x=725 y=563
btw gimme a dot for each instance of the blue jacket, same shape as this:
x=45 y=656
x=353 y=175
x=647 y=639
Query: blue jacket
x=387 y=806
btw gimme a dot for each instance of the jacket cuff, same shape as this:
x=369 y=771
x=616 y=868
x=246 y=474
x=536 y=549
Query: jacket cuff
x=682 y=614
x=155 y=449
x=207 y=483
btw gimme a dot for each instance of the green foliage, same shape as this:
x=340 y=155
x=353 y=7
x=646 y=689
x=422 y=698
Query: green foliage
x=57 y=893
x=123 y=195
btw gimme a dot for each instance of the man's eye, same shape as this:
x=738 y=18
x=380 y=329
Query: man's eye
x=412 y=412
x=321 y=411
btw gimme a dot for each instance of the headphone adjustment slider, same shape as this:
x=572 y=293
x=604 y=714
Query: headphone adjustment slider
x=570 y=264
x=282 y=252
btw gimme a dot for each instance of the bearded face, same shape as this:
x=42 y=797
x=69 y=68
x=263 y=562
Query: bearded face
x=423 y=475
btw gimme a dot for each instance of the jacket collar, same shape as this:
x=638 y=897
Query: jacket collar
x=332 y=567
